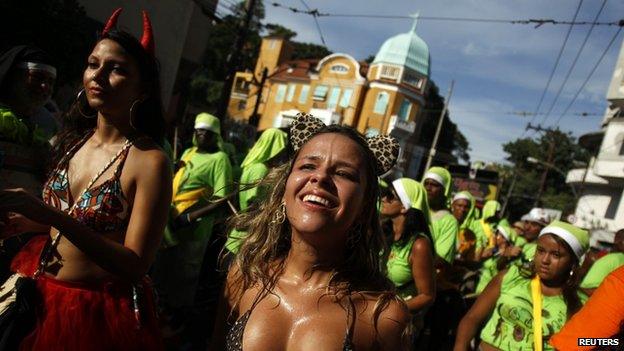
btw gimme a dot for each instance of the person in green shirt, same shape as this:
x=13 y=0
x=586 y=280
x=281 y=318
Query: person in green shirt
x=498 y=261
x=605 y=265
x=444 y=227
x=205 y=175
x=410 y=262
x=470 y=235
x=517 y=303
x=264 y=155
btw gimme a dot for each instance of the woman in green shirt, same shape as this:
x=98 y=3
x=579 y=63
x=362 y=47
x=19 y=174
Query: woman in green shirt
x=517 y=303
x=410 y=263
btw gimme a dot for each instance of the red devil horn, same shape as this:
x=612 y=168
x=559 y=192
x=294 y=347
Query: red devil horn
x=112 y=21
x=147 y=40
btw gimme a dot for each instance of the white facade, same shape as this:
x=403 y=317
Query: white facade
x=601 y=185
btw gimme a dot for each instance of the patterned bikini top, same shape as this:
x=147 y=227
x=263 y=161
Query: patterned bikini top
x=103 y=207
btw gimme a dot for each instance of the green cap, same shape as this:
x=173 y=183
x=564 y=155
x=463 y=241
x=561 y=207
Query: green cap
x=270 y=143
x=207 y=121
x=441 y=176
x=577 y=238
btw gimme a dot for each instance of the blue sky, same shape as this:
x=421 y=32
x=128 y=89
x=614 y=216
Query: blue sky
x=497 y=68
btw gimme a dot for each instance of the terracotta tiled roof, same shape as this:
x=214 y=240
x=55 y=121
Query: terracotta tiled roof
x=301 y=70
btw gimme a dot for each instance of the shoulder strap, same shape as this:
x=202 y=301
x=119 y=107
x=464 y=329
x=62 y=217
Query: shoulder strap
x=348 y=341
x=43 y=260
x=536 y=294
x=122 y=161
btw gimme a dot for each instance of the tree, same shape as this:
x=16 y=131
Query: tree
x=280 y=31
x=59 y=27
x=557 y=194
x=451 y=140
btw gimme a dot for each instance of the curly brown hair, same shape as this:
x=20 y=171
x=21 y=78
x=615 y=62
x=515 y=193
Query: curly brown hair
x=262 y=253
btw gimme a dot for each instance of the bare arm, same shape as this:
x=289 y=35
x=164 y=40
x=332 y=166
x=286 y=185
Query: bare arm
x=224 y=310
x=421 y=259
x=131 y=259
x=480 y=311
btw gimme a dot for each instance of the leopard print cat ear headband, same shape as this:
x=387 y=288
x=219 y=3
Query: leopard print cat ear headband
x=384 y=148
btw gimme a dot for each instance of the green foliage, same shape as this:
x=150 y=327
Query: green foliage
x=309 y=51
x=59 y=27
x=451 y=140
x=556 y=194
x=280 y=31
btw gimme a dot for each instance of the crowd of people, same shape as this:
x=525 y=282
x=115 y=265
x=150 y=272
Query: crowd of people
x=302 y=241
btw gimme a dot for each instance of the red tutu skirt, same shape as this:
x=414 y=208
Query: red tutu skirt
x=75 y=316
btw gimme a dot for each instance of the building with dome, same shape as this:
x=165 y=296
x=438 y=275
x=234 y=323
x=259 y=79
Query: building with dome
x=383 y=97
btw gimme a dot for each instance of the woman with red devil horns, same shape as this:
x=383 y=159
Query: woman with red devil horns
x=104 y=207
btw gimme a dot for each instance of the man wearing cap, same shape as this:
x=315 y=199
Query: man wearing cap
x=26 y=83
x=205 y=174
x=605 y=265
x=534 y=222
x=437 y=182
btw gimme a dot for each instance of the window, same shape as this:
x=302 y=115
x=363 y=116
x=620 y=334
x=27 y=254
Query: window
x=413 y=80
x=242 y=104
x=381 y=103
x=241 y=86
x=303 y=94
x=371 y=132
x=291 y=92
x=281 y=91
x=346 y=97
x=339 y=68
x=320 y=92
x=333 y=98
x=389 y=72
x=404 y=110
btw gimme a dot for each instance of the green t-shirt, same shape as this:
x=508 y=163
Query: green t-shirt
x=210 y=171
x=488 y=271
x=510 y=326
x=528 y=250
x=445 y=229
x=477 y=229
x=16 y=130
x=400 y=269
x=601 y=269
x=251 y=174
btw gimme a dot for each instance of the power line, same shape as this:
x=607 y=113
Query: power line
x=604 y=53
x=552 y=72
x=315 y=15
x=578 y=54
x=532 y=21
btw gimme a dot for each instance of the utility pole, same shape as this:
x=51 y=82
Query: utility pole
x=254 y=119
x=549 y=160
x=234 y=58
x=432 y=150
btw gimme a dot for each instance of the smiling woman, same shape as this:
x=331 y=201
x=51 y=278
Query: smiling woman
x=308 y=273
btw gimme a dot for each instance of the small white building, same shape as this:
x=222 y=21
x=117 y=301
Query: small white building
x=601 y=184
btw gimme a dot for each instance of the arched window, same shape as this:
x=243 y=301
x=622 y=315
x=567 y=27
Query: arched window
x=381 y=103
x=404 y=110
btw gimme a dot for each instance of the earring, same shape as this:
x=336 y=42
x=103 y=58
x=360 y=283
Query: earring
x=280 y=215
x=132 y=112
x=79 y=98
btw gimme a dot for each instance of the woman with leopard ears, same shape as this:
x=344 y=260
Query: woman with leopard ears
x=309 y=273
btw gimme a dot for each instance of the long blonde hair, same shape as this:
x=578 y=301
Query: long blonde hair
x=260 y=259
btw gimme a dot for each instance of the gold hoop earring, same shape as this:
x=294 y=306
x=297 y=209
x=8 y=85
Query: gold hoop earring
x=132 y=112
x=280 y=215
x=79 y=102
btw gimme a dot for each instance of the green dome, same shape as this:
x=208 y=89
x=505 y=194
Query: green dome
x=406 y=49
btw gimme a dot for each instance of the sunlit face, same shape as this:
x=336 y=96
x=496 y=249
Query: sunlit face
x=553 y=260
x=112 y=79
x=435 y=190
x=391 y=205
x=325 y=189
x=460 y=209
x=532 y=230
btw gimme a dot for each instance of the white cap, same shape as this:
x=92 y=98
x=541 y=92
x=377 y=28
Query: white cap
x=537 y=215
